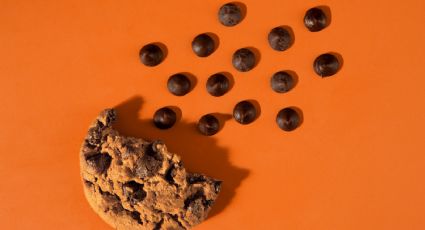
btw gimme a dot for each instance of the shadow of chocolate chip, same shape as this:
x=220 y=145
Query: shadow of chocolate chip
x=177 y=111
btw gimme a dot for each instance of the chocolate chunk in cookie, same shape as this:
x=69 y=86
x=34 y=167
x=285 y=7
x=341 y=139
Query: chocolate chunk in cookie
x=149 y=164
x=134 y=192
x=99 y=162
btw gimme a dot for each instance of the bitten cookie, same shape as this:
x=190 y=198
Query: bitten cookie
x=136 y=184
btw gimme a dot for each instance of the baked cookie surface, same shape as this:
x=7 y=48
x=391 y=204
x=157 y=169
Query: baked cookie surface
x=137 y=184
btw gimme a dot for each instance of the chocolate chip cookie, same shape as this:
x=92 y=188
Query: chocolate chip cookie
x=137 y=184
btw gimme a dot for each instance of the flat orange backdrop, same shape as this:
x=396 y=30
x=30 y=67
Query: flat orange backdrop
x=356 y=162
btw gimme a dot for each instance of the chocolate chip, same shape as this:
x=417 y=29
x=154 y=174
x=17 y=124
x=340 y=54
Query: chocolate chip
x=111 y=184
x=198 y=195
x=288 y=119
x=164 y=118
x=114 y=202
x=129 y=172
x=196 y=206
x=152 y=166
x=282 y=82
x=170 y=174
x=158 y=225
x=230 y=14
x=117 y=208
x=88 y=184
x=109 y=197
x=179 y=84
x=134 y=192
x=151 y=55
x=218 y=84
x=217 y=186
x=195 y=178
x=244 y=60
x=244 y=112
x=157 y=145
x=208 y=125
x=150 y=150
x=89 y=146
x=129 y=146
x=100 y=162
x=176 y=219
x=315 y=20
x=326 y=65
x=136 y=216
x=149 y=164
x=207 y=203
x=280 y=38
x=203 y=45
x=94 y=135
x=110 y=116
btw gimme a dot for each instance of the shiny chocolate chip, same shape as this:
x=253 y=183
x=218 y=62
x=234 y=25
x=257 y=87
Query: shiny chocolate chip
x=244 y=60
x=230 y=14
x=244 y=112
x=203 y=45
x=326 y=65
x=208 y=125
x=179 y=84
x=217 y=85
x=282 y=82
x=164 y=118
x=288 y=119
x=280 y=39
x=151 y=55
x=315 y=20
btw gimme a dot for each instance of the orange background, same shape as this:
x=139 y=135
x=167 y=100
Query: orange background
x=356 y=162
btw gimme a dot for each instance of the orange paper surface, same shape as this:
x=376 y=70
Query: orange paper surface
x=356 y=162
